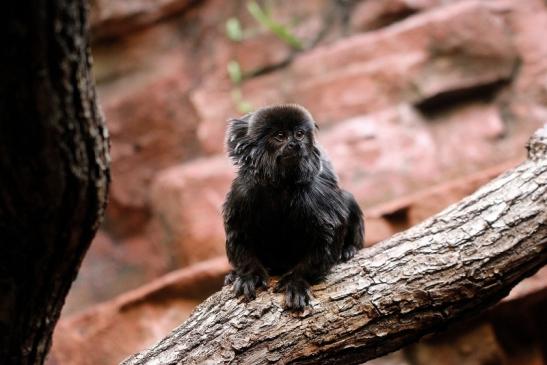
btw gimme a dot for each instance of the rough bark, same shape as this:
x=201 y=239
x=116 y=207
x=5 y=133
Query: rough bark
x=449 y=267
x=53 y=168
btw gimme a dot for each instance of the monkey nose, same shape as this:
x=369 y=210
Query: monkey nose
x=293 y=146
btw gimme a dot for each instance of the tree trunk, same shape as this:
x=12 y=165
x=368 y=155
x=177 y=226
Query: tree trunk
x=447 y=268
x=54 y=168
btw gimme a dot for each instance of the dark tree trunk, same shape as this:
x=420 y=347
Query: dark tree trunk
x=449 y=267
x=54 y=168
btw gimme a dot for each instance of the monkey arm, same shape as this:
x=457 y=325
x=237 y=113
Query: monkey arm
x=248 y=274
x=312 y=268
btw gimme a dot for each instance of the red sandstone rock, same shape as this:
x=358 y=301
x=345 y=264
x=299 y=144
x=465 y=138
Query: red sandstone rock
x=378 y=229
x=385 y=219
x=213 y=98
x=407 y=211
x=151 y=127
x=186 y=202
x=382 y=155
x=260 y=91
x=110 y=18
x=140 y=58
x=524 y=18
x=261 y=49
x=475 y=345
x=475 y=135
x=110 y=332
x=451 y=48
x=447 y=50
x=533 y=284
x=113 y=266
x=252 y=56
x=374 y=14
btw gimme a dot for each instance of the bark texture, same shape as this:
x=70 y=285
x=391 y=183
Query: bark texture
x=449 y=267
x=53 y=168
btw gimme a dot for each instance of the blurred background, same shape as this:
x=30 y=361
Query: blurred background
x=419 y=102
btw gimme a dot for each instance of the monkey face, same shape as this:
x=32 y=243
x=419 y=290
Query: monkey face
x=290 y=145
x=275 y=144
x=284 y=142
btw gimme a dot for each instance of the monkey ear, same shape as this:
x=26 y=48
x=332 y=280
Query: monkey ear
x=236 y=135
x=316 y=126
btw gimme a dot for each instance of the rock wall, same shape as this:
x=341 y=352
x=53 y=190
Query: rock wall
x=419 y=102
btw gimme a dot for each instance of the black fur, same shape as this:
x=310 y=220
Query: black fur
x=285 y=214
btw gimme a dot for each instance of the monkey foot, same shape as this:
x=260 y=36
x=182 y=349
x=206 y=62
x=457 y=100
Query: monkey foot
x=230 y=278
x=246 y=284
x=297 y=292
x=348 y=252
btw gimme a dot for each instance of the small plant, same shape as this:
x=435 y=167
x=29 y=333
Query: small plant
x=234 y=72
x=236 y=77
x=281 y=31
x=234 y=30
x=242 y=105
x=236 y=33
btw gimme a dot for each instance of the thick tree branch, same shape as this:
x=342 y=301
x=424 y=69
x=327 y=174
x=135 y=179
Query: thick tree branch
x=53 y=168
x=451 y=266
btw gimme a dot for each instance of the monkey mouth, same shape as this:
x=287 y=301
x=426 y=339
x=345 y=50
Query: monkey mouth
x=290 y=157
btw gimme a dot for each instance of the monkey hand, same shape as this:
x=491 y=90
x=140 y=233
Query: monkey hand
x=297 y=291
x=348 y=252
x=246 y=283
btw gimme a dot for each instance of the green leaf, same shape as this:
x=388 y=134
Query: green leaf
x=278 y=29
x=242 y=105
x=234 y=30
x=234 y=72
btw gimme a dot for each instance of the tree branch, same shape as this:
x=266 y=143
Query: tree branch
x=449 y=267
x=54 y=168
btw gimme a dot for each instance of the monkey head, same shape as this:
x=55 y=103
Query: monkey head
x=275 y=144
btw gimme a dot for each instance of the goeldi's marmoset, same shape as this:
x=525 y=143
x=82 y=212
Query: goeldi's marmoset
x=285 y=214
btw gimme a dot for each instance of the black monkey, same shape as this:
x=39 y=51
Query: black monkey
x=285 y=214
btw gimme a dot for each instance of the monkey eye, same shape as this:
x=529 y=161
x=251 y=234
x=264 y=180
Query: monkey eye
x=299 y=134
x=280 y=136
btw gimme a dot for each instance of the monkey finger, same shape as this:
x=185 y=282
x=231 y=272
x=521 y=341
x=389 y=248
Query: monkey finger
x=230 y=278
x=238 y=286
x=281 y=285
x=245 y=285
x=296 y=299
x=348 y=252
x=261 y=282
x=249 y=290
x=289 y=299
